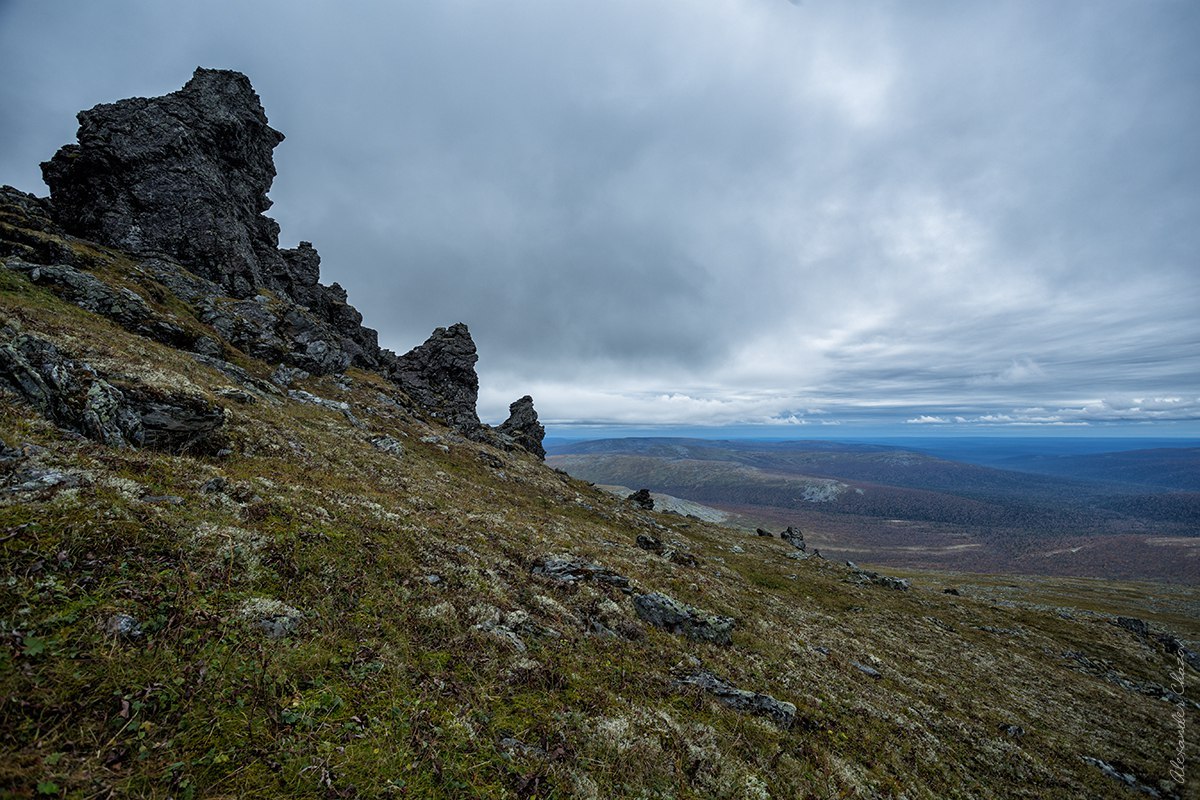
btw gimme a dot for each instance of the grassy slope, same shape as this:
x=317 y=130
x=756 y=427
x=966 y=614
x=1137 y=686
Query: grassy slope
x=390 y=689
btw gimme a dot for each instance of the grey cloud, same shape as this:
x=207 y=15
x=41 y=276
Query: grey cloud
x=711 y=214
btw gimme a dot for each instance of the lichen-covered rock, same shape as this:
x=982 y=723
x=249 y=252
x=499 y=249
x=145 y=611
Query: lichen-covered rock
x=679 y=618
x=440 y=376
x=123 y=306
x=570 y=569
x=781 y=713
x=72 y=394
x=272 y=617
x=523 y=428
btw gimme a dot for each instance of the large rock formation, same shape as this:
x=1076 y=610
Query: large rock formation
x=181 y=182
x=185 y=174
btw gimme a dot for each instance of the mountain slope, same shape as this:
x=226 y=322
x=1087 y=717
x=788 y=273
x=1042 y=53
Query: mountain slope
x=224 y=579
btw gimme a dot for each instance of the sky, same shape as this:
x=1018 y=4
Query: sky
x=788 y=218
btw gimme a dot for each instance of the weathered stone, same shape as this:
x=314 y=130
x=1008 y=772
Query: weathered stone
x=781 y=713
x=859 y=575
x=870 y=672
x=570 y=569
x=665 y=612
x=761 y=532
x=440 y=376
x=388 y=444
x=73 y=395
x=523 y=428
x=123 y=626
x=651 y=543
x=642 y=499
x=794 y=537
x=121 y=305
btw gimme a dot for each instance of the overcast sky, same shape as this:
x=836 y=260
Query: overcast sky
x=969 y=216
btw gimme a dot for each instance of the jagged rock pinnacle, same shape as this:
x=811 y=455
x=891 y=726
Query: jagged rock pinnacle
x=186 y=174
x=440 y=376
x=523 y=428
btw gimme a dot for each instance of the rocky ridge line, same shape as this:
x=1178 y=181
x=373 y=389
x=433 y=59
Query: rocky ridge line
x=180 y=182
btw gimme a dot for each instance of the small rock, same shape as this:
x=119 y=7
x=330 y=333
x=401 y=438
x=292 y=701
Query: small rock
x=433 y=579
x=570 y=569
x=163 y=499
x=762 y=532
x=737 y=549
x=869 y=671
x=388 y=445
x=124 y=626
x=272 y=617
x=284 y=376
x=214 y=486
x=682 y=558
x=651 y=543
x=794 y=537
x=952 y=591
x=1015 y=731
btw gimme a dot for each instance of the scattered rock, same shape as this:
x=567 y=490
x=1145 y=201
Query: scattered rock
x=761 y=532
x=121 y=305
x=523 y=428
x=284 y=376
x=388 y=444
x=1015 y=731
x=952 y=591
x=1102 y=669
x=642 y=499
x=163 y=499
x=214 y=486
x=737 y=549
x=867 y=576
x=665 y=612
x=682 y=558
x=781 y=713
x=305 y=397
x=72 y=394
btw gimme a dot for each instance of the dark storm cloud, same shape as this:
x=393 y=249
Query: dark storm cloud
x=741 y=211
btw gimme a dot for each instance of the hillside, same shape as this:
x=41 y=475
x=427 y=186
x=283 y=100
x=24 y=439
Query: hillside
x=247 y=553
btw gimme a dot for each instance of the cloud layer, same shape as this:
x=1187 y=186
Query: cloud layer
x=743 y=211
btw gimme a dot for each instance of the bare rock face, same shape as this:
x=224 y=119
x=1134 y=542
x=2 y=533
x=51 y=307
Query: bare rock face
x=440 y=376
x=186 y=174
x=523 y=428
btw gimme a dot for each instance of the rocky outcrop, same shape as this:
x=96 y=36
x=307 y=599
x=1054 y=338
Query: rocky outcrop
x=186 y=175
x=72 y=394
x=523 y=428
x=440 y=376
x=571 y=569
x=679 y=618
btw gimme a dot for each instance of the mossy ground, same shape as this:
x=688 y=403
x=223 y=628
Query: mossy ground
x=395 y=686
